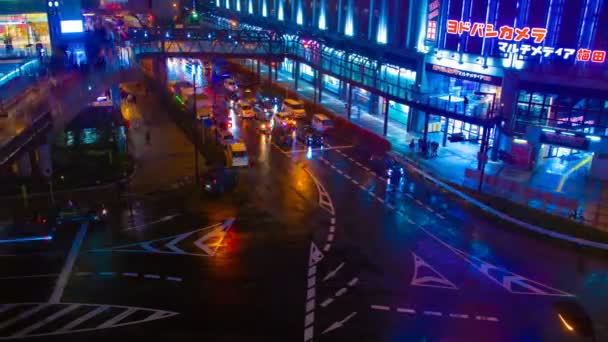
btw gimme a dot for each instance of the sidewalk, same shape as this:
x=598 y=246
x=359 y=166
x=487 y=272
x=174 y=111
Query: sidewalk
x=168 y=161
x=566 y=177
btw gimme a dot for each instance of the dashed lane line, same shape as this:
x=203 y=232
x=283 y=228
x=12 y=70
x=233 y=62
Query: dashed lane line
x=129 y=275
x=342 y=291
x=433 y=313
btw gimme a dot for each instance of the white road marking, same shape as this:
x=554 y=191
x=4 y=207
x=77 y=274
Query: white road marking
x=330 y=237
x=410 y=220
x=327 y=302
x=48 y=275
x=332 y=220
x=84 y=318
x=114 y=320
x=312 y=270
x=380 y=199
x=327 y=247
x=332 y=229
x=404 y=310
x=110 y=274
x=353 y=282
x=381 y=307
x=355 y=182
x=362 y=187
x=339 y=171
x=310 y=293
x=409 y=195
x=177 y=279
x=339 y=324
x=128 y=274
x=390 y=206
x=486 y=318
x=348 y=176
x=23 y=315
x=429 y=209
x=440 y=216
x=431 y=278
x=333 y=273
x=463 y=316
x=151 y=276
x=64 y=276
x=418 y=202
x=366 y=168
x=432 y=313
x=45 y=321
x=310 y=304
x=162 y=219
x=341 y=291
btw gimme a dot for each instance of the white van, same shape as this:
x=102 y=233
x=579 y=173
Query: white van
x=295 y=108
x=321 y=122
x=238 y=155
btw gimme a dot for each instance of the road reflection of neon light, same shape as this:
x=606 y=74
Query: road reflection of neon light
x=28 y=239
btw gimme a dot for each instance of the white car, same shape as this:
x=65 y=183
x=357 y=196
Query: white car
x=246 y=111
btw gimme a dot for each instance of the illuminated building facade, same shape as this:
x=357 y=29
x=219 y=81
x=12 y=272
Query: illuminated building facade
x=538 y=64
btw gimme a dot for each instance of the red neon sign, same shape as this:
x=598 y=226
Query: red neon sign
x=483 y=30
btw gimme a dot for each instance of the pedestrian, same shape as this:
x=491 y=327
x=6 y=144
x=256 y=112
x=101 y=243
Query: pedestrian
x=434 y=148
x=412 y=145
x=148 y=137
x=466 y=104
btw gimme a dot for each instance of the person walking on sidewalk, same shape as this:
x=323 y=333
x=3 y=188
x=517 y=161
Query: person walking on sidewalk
x=413 y=145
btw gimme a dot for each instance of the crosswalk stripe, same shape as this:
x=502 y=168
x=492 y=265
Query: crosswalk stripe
x=83 y=318
x=23 y=315
x=49 y=319
x=7 y=307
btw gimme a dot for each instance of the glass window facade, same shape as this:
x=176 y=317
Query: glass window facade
x=562 y=111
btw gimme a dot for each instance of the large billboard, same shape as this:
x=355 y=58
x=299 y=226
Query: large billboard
x=532 y=30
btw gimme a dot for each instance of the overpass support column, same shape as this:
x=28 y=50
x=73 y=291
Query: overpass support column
x=24 y=165
x=269 y=72
x=276 y=71
x=115 y=93
x=296 y=75
x=258 y=68
x=320 y=85
x=44 y=160
x=349 y=101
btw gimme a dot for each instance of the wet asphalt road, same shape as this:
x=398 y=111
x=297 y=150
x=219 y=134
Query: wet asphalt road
x=320 y=246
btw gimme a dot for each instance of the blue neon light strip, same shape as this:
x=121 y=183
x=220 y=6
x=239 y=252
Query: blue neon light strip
x=27 y=239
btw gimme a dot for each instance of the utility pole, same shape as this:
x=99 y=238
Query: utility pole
x=194 y=123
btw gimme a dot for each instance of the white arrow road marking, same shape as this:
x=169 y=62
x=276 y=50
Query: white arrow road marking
x=503 y=277
x=435 y=279
x=217 y=230
x=339 y=324
x=333 y=273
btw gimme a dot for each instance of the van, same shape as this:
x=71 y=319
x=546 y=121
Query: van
x=321 y=122
x=238 y=155
x=295 y=108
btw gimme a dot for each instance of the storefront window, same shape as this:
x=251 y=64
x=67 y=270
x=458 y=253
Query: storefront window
x=24 y=31
x=561 y=111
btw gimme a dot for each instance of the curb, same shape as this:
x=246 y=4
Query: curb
x=581 y=242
